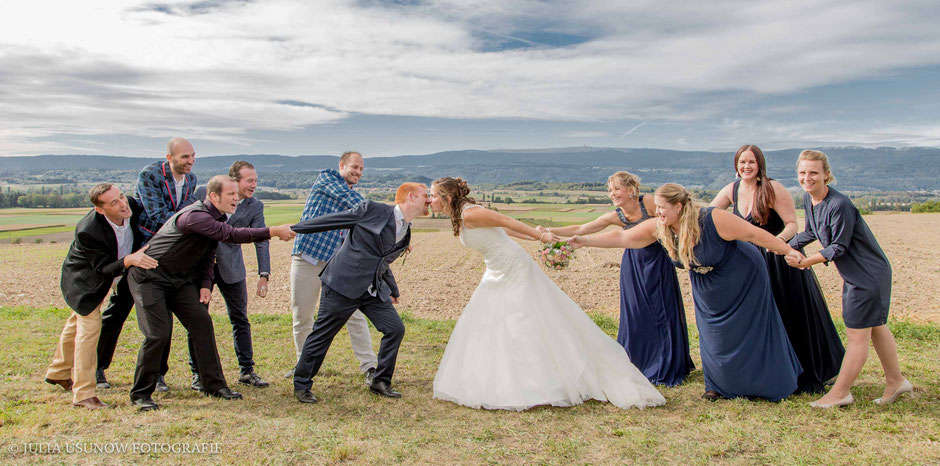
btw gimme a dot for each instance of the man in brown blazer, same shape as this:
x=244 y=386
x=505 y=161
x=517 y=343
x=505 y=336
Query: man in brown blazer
x=96 y=260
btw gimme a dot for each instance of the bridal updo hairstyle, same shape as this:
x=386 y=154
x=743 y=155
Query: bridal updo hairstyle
x=766 y=198
x=680 y=247
x=454 y=193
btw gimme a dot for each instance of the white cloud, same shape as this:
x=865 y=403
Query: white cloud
x=217 y=71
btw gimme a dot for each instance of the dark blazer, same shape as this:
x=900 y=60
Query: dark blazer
x=91 y=264
x=366 y=253
x=228 y=256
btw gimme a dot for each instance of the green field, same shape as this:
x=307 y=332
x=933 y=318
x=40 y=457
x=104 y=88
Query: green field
x=280 y=212
x=351 y=425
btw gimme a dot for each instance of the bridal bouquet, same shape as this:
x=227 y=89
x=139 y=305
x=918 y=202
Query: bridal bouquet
x=556 y=255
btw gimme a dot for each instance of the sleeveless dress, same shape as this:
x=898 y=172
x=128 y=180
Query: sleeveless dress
x=803 y=310
x=522 y=342
x=653 y=329
x=744 y=346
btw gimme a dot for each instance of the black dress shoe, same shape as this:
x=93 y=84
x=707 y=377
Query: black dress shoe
x=252 y=379
x=100 y=380
x=145 y=404
x=161 y=387
x=225 y=394
x=304 y=396
x=370 y=376
x=66 y=383
x=384 y=389
x=196 y=385
x=711 y=395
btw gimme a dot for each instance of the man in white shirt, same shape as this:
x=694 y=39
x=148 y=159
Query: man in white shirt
x=95 y=263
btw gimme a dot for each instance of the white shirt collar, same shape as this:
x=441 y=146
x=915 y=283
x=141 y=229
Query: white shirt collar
x=398 y=215
x=116 y=226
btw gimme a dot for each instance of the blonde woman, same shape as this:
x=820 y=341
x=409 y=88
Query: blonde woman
x=847 y=241
x=652 y=330
x=744 y=348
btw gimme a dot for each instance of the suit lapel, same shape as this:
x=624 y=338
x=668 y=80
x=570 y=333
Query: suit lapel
x=105 y=231
x=388 y=233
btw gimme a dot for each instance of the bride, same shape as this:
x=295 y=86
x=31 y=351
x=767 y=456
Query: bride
x=521 y=341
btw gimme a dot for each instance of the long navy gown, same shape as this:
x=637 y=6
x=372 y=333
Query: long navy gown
x=744 y=347
x=652 y=318
x=803 y=310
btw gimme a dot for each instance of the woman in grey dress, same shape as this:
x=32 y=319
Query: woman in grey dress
x=847 y=241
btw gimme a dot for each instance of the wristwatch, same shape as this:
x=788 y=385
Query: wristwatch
x=264 y=275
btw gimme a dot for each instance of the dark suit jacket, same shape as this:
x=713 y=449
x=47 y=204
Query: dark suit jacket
x=367 y=252
x=228 y=256
x=91 y=264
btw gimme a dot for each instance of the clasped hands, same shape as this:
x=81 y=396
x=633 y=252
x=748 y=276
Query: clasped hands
x=546 y=235
x=283 y=232
x=795 y=259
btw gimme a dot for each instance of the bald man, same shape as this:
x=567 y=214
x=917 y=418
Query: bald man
x=166 y=186
x=163 y=188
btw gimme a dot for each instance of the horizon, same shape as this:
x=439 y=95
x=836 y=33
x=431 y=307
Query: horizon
x=521 y=150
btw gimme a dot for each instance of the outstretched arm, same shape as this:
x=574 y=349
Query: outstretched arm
x=637 y=237
x=594 y=226
x=482 y=217
x=336 y=221
x=731 y=227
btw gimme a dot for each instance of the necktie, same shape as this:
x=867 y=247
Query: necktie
x=401 y=230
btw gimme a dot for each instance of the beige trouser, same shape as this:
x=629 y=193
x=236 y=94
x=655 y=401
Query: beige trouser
x=76 y=354
x=304 y=297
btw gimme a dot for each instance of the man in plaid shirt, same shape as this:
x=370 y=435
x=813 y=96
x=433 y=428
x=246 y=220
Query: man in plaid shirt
x=332 y=192
x=165 y=187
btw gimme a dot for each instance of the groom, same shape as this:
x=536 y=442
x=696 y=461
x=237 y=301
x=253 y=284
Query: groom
x=358 y=277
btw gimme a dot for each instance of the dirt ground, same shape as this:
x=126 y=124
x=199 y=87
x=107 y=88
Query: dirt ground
x=439 y=276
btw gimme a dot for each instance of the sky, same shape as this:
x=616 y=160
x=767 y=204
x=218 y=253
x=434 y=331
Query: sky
x=306 y=77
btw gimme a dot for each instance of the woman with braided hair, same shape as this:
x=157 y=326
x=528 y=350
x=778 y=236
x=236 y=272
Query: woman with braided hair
x=744 y=347
x=521 y=341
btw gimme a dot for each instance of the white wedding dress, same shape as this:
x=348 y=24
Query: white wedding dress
x=522 y=342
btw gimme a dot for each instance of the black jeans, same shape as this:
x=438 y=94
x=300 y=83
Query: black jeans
x=158 y=301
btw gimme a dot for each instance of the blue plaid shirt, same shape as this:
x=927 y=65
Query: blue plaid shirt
x=156 y=192
x=329 y=194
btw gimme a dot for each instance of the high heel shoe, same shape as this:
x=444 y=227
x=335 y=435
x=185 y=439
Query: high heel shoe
x=843 y=402
x=906 y=387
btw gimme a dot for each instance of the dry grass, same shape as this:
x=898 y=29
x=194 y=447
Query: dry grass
x=350 y=424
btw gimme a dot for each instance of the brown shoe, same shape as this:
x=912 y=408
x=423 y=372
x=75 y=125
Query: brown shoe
x=66 y=384
x=90 y=403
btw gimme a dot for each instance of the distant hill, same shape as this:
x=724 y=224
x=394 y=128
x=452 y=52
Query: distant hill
x=880 y=169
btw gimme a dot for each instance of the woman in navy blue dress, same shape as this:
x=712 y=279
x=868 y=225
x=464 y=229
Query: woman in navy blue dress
x=653 y=329
x=847 y=241
x=744 y=347
x=765 y=203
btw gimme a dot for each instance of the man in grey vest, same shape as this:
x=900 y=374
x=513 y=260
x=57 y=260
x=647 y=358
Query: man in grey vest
x=180 y=285
x=230 y=274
